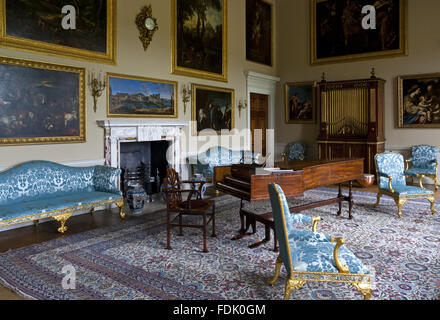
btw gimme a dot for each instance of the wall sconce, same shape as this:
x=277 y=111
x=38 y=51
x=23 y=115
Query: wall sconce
x=186 y=95
x=97 y=85
x=242 y=105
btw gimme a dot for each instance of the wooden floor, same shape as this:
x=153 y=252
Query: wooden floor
x=23 y=237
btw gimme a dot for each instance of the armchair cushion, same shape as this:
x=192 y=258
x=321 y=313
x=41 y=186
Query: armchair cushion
x=413 y=172
x=305 y=235
x=411 y=190
x=318 y=257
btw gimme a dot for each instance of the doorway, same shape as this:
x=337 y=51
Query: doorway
x=259 y=120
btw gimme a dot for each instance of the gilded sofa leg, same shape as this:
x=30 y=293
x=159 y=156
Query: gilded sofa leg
x=432 y=200
x=379 y=196
x=62 y=218
x=121 y=209
x=400 y=203
x=277 y=272
x=292 y=285
x=365 y=289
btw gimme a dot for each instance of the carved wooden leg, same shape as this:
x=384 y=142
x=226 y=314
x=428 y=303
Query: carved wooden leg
x=168 y=230
x=205 y=248
x=379 y=196
x=213 y=221
x=121 y=209
x=36 y=222
x=400 y=203
x=278 y=265
x=292 y=285
x=92 y=211
x=351 y=202
x=62 y=218
x=365 y=289
x=340 y=195
x=432 y=200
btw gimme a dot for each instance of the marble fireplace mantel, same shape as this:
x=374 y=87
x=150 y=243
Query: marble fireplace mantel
x=125 y=131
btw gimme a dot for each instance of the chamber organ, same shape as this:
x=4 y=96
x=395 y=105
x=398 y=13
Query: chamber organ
x=352 y=120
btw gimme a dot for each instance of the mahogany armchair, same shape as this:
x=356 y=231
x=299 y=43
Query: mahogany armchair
x=189 y=207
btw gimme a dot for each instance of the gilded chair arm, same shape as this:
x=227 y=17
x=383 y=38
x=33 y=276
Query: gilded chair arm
x=339 y=243
x=390 y=179
x=316 y=220
x=410 y=160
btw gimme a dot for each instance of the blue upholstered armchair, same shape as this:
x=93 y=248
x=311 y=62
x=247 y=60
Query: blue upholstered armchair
x=310 y=256
x=295 y=151
x=424 y=164
x=392 y=182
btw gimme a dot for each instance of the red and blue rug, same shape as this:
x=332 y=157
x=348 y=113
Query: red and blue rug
x=129 y=261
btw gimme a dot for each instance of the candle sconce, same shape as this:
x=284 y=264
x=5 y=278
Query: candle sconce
x=97 y=85
x=242 y=105
x=186 y=95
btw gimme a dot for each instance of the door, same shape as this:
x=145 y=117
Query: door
x=259 y=120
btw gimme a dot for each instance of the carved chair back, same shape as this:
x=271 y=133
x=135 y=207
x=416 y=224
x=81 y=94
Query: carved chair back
x=173 y=191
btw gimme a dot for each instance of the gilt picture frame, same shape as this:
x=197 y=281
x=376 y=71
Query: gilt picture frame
x=41 y=103
x=337 y=34
x=259 y=32
x=140 y=97
x=419 y=101
x=300 y=102
x=202 y=54
x=34 y=26
x=213 y=109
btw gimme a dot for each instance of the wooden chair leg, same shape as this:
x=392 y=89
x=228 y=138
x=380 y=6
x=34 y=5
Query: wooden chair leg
x=213 y=221
x=168 y=231
x=205 y=247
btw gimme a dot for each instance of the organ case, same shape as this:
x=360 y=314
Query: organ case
x=352 y=120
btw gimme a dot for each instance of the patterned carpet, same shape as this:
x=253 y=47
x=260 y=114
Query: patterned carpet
x=128 y=261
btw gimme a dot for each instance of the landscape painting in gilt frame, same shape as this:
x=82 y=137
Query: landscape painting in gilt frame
x=337 y=34
x=199 y=39
x=36 y=26
x=259 y=32
x=41 y=103
x=300 y=102
x=419 y=101
x=213 y=109
x=138 y=97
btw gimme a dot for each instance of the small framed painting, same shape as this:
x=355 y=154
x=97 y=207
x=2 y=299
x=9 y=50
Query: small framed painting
x=137 y=97
x=36 y=26
x=300 y=102
x=259 y=31
x=419 y=101
x=337 y=33
x=213 y=109
x=41 y=103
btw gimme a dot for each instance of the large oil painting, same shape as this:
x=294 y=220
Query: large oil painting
x=338 y=34
x=130 y=96
x=213 y=109
x=259 y=31
x=199 y=36
x=419 y=101
x=41 y=103
x=36 y=26
x=300 y=102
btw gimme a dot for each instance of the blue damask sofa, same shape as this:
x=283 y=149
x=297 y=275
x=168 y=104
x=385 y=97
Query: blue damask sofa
x=205 y=162
x=36 y=190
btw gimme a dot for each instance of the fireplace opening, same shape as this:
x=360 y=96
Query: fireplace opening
x=144 y=163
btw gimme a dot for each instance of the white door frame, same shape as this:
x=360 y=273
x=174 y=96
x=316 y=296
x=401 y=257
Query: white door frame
x=267 y=85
